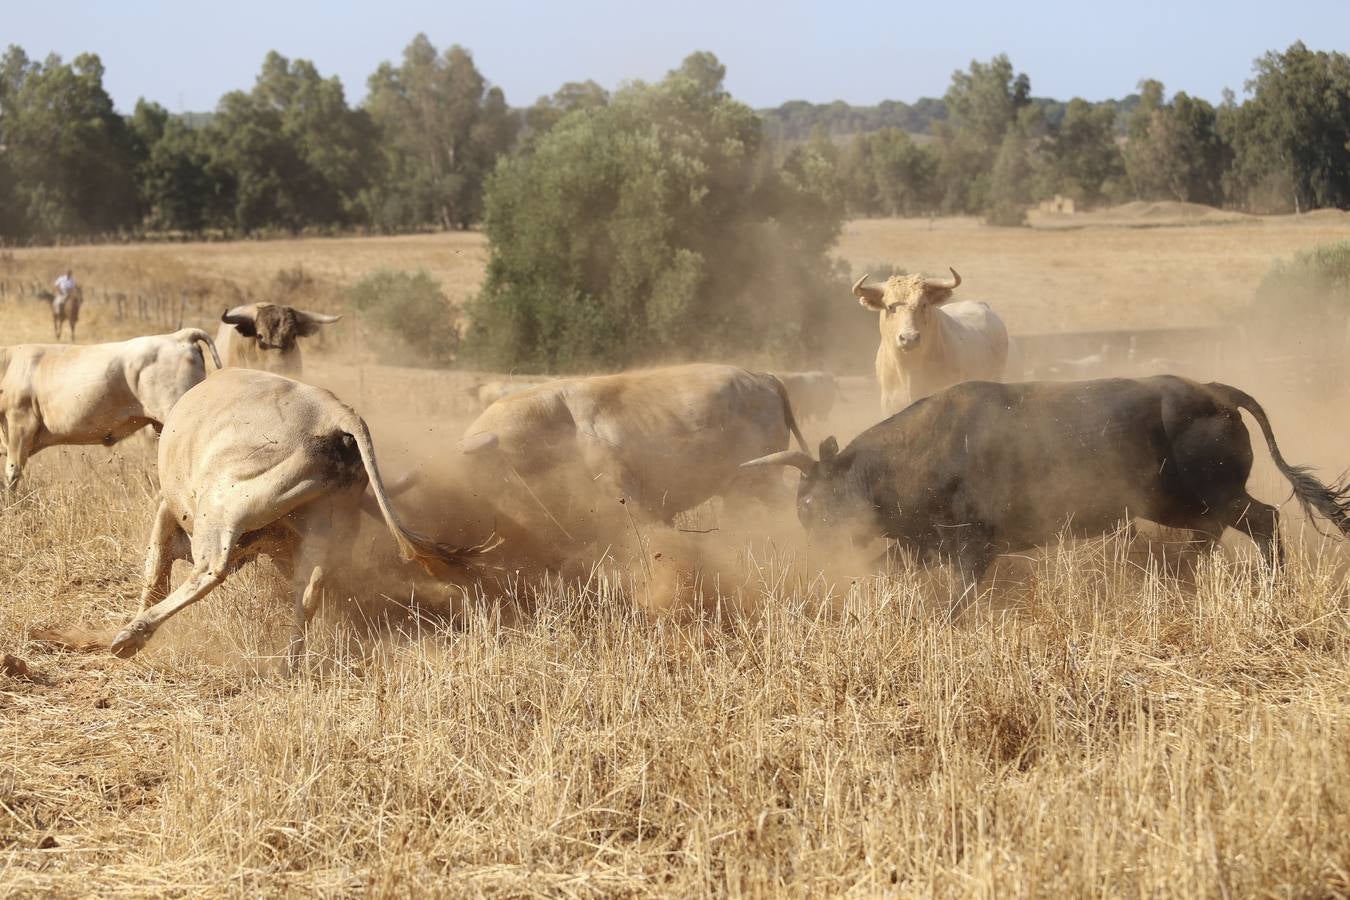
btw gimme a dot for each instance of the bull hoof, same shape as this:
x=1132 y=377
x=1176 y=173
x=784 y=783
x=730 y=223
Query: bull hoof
x=129 y=641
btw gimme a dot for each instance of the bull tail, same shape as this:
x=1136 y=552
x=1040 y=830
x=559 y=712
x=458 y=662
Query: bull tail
x=1332 y=502
x=193 y=335
x=429 y=554
x=787 y=409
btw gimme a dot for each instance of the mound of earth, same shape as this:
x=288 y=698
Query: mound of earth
x=1168 y=211
x=1142 y=213
x=1325 y=216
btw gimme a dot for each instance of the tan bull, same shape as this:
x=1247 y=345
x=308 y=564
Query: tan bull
x=668 y=439
x=250 y=463
x=929 y=343
x=54 y=394
x=266 y=336
x=487 y=393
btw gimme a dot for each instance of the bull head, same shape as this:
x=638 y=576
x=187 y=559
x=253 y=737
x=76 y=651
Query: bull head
x=903 y=302
x=275 y=327
x=825 y=498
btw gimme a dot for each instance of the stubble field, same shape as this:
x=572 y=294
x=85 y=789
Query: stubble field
x=1105 y=726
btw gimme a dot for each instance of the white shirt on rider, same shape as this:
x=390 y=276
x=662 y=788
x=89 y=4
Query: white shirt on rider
x=65 y=284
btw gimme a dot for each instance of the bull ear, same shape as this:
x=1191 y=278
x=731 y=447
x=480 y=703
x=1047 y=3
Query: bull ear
x=307 y=323
x=478 y=443
x=795 y=458
x=829 y=449
x=869 y=295
x=242 y=322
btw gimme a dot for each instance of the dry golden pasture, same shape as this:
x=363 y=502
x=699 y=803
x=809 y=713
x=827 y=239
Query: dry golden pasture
x=1103 y=729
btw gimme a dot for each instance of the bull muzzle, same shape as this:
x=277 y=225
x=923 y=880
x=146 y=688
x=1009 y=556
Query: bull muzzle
x=907 y=340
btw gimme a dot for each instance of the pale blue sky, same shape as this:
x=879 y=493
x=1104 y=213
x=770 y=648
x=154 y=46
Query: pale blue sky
x=185 y=54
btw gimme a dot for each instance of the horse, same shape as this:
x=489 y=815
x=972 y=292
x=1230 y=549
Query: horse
x=66 y=308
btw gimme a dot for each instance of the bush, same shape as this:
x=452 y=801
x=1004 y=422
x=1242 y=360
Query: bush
x=292 y=281
x=1010 y=181
x=1307 y=298
x=1314 y=284
x=656 y=227
x=411 y=313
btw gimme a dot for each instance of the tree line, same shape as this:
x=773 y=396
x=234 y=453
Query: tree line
x=996 y=150
x=798 y=120
x=292 y=153
x=289 y=154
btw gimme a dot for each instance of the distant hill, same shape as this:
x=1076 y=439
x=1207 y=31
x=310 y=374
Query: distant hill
x=796 y=119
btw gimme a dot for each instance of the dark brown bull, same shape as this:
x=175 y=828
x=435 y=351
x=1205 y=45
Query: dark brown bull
x=981 y=469
x=266 y=336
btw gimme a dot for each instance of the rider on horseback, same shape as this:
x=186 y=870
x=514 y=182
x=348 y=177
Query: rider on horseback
x=66 y=304
x=65 y=284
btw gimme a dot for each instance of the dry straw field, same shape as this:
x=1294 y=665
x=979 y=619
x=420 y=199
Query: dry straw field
x=1108 y=725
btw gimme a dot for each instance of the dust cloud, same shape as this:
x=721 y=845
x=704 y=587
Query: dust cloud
x=568 y=526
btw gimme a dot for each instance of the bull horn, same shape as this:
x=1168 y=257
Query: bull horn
x=944 y=285
x=477 y=443
x=795 y=458
x=321 y=318
x=233 y=318
x=867 y=293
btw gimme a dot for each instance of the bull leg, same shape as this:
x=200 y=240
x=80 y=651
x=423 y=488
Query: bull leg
x=319 y=528
x=971 y=562
x=20 y=436
x=1260 y=522
x=212 y=550
x=306 y=605
x=167 y=543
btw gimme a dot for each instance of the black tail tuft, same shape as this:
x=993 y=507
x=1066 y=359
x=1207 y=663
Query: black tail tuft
x=1331 y=501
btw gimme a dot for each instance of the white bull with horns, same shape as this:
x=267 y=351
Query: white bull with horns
x=929 y=343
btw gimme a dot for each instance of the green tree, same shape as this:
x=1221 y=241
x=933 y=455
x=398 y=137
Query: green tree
x=442 y=129
x=886 y=173
x=571 y=96
x=69 y=156
x=1081 y=158
x=1291 y=139
x=290 y=153
x=1010 y=181
x=657 y=225
x=983 y=104
x=178 y=186
x=1175 y=151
